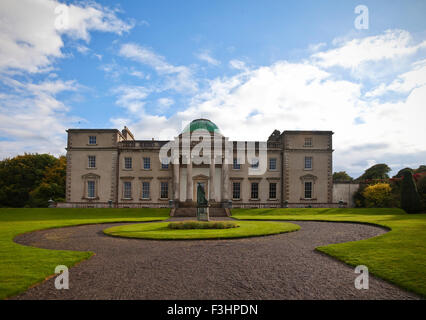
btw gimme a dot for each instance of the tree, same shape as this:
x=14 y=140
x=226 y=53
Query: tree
x=420 y=169
x=378 y=195
x=400 y=172
x=341 y=176
x=421 y=188
x=378 y=171
x=410 y=199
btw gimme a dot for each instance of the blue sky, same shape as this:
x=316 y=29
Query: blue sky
x=249 y=66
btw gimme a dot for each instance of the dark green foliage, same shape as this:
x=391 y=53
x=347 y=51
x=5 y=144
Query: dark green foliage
x=420 y=169
x=410 y=199
x=421 y=188
x=22 y=175
x=400 y=172
x=341 y=176
x=378 y=171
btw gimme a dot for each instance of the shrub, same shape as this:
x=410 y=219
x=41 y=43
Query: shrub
x=378 y=195
x=203 y=225
x=410 y=199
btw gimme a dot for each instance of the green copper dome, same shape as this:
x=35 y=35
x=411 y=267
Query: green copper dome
x=201 y=124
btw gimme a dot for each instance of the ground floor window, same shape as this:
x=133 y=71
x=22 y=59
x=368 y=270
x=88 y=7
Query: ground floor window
x=127 y=194
x=145 y=190
x=308 y=189
x=255 y=190
x=272 y=191
x=91 y=189
x=236 y=190
x=164 y=190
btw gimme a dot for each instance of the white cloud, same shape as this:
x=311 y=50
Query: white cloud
x=206 y=56
x=178 y=78
x=132 y=97
x=30 y=39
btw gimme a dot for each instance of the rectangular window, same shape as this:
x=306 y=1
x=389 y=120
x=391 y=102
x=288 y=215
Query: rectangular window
x=308 y=142
x=272 y=191
x=308 y=162
x=92 y=139
x=127 y=190
x=308 y=190
x=236 y=190
x=272 y=164
x=255 y=163
x=255 y=190
x=145 y=190
x=128 y=163
x=164 y=190
x=147 y=163
x=92 y=161
x=236 y=164
x=164 y=164
x=90 y=189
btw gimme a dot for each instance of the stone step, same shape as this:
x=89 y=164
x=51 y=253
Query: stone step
x=192 y=212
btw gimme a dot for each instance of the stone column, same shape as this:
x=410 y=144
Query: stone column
x=189 y=183
x=225 y=182
x=176 y=182
x=212 y=196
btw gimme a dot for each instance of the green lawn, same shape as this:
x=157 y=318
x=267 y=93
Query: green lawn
x=161 y=231
x=398 y=256
x=23 y=266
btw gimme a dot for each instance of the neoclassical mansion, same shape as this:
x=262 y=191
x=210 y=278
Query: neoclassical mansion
x=110 y=168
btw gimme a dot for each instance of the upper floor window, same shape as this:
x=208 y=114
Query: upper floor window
x=255 y=190
x=236 y=164
x=308 y=189
x=236 y=190
x=90 y=189
x=272 y=164
x=91 y=161
x=164 y=190
x=308 y=162
x=255 y=163
x=92 y=139
x=145 y=190
x=127 y=192
x=147 y=163
x=272 y=190
x=164 y=164
x=128 y=163
x=308 y=142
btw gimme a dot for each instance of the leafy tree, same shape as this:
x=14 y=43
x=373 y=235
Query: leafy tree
x=378 y=195
x=21 y=175
x=341 y=176
x=421 y=188
x=420 y=169
x=378 y=171
x=52 y=185
x=400 y=172
x=410 y=199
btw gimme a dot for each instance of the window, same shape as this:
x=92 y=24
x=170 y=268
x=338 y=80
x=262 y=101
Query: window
x=308 y=189
x=255 y=163
x=92 y=161
x=164 y=164
x=92 y=139
x=90 y=189
x=308 y=162
x=308 y=142
x=255 y=190
x=146 y=163
x=145 y=190
x=127 y=190
x=164 y=190
x=236 y=190
x=272 y=164
x=272 y=191
x=128 y=163
x=236 y=164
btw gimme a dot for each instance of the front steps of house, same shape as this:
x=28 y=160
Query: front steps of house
x=192 y=212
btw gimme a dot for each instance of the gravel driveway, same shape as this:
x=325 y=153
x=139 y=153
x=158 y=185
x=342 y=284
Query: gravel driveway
x=282 y=266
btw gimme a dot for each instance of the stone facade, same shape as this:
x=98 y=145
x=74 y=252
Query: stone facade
x=108 y=167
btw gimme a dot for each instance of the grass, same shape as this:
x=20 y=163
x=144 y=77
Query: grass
x=202 y=225
x=24 y=266
x=398 y=256
x=161 y=231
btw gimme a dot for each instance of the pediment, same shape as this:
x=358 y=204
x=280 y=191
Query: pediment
x=308 y=177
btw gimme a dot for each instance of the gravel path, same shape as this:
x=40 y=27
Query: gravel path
x=274 y=267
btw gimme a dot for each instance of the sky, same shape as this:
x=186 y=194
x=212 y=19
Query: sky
x=249 y=66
